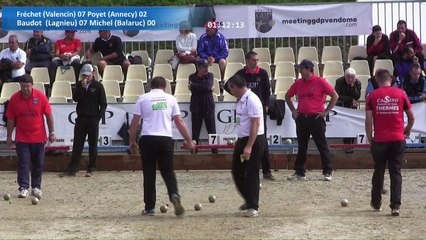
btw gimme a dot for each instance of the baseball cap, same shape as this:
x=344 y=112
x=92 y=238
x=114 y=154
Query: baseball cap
x=70 y=31
x=202 y=63
x=305 y=63
x=87 y=69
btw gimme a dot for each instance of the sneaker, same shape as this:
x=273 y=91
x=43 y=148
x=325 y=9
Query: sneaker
x=179 y=210
x=296 y=176
x=328 y=177
x=66 y=174
x=251 y=213
x=23 y=193
x=150 y=212
x=268 y=176
x=89 y=174
x=36 y=192
x=395 y=212
x=243 y=207
x=375 y=208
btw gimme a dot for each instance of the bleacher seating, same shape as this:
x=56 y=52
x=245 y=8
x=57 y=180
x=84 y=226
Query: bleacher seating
x=146 y=60
x=283 y=54
x=309 y=53
x=133 y=87
x=113 y=73
x=361 y=67
x=333 y=68
x=184 y=70
x=357 y=51
x=40 y=74
x=231 y=69
x=137 y=72
x=65 y=74
x=8 y=89
x=163 y=56
x=112 y=88
x=236 y=55
x=58 y=99
x=182 y=87
x=163 y=70
x=331 y=53
x=62 y=89
x=282 y=84
x=383 y=63
x=284 y=69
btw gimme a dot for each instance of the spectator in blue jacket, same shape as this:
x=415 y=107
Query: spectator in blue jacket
x=213 y=47
x=414 y=84
x=38 y=49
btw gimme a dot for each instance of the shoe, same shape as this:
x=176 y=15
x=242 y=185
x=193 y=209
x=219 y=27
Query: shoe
x=395 y=212
x=296 y=176
x=375 y=208
x=89 y=174
x=268 y=176
x=179 y=210
x=328 y=177
x=23 y=193
x=243 y=207
x=67 y=174
x=150 y=212
x=36 y=192
x=251 y=213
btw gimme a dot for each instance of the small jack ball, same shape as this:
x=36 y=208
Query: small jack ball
x=197 y=206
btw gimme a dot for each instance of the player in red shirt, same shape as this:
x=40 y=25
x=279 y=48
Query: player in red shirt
x=311 y=91
x=26 y=111
x=384 y=108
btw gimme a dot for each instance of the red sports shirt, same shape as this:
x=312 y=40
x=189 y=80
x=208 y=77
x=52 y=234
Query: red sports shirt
x=67 y=47
x=388 y=105
x=311 y=94
x=29 y=116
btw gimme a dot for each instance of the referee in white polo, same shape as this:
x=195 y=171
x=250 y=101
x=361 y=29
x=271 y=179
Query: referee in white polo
x=249 y=146
x=158 y=109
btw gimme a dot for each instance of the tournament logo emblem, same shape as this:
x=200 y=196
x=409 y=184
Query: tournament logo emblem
x=36 y=100
x=263 y=20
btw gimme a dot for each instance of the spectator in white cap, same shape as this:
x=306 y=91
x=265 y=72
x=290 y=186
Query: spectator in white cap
x=91 y=105
x=349 y=90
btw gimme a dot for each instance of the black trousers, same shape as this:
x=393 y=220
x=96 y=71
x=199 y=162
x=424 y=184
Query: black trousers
x=307 y=125
x=197 y=121
x=84 y=126
x=246 y=173
x=157 y=149
x=391 y=153
x=266 y=165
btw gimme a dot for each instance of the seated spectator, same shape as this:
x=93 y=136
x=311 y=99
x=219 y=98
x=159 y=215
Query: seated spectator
x=112 y=51
x=349 y=90
x=67 y=53
x=12 y=61
x=186 y=45
x=213 y=47
x=414 y=84
x=403 y=37
x=39 y=49
x=377 y=47
x=372 y=84
x=403 y=66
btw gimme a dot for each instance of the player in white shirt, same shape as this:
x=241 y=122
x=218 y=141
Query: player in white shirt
x=249 y=146
x=158 y=109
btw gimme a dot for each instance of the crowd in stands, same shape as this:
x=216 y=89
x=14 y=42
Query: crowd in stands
x=400 y=53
